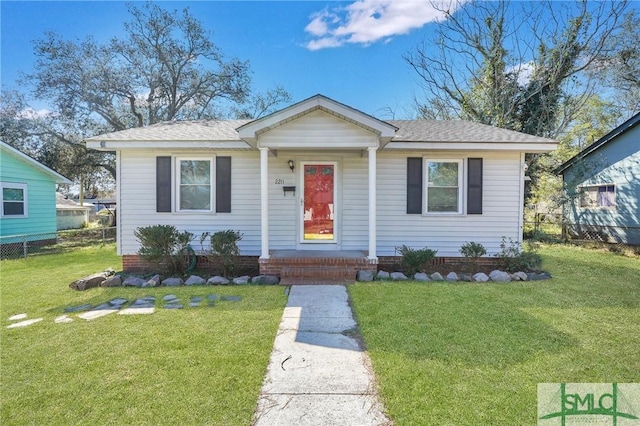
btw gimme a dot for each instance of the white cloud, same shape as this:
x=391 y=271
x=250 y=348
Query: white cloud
x=31 y=114
x=523 y=71
x=367 y=21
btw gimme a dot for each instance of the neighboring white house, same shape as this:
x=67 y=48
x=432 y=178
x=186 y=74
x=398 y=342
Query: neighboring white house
x=320 y=175
x=69 y=214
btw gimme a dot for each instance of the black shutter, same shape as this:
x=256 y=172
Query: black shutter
x=414 y=185
x=474 y=186
x=223 y=184
x=163 y=184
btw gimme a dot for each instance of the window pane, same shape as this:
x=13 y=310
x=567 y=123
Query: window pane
x=442 y=200
x=13 y=209
x=606 y=196
x=195 y=197
x=193 y=172
x=12 y=194
x=443 y=174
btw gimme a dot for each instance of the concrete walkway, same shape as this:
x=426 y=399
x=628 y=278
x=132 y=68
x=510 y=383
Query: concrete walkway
x=318 y=374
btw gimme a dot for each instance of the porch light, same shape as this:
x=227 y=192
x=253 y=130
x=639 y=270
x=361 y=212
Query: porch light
x=291 y=165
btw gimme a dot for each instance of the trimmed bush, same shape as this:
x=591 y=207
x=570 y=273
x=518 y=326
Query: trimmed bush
x=415 y=260
x=164 y=246
x=472 y=251
x=223 y=250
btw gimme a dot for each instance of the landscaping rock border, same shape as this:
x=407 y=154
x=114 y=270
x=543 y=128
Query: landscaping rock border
x=480 y=277
x=109 y=278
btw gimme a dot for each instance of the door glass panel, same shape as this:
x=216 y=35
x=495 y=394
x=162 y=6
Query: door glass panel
x=318 y=202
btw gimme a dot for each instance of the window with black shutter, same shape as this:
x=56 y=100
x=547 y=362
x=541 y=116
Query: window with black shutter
x=193 y=184
x=223 y=184
x=474 y=186
x=414 y=185
x=163 y=184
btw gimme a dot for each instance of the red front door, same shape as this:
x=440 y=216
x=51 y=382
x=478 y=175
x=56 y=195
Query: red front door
x=318 y=203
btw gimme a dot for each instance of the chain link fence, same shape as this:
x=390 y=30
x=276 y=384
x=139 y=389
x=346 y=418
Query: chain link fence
x=628 y=235
x=16 y=246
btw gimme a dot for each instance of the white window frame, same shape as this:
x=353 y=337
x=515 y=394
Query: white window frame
x=461 y=189
x=585 y=188
x=212 y=183
x=25 y=201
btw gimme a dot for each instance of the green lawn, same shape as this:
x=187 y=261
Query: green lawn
x=192 y=366
x=469 y=354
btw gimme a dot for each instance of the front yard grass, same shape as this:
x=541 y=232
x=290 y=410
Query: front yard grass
x=470 y=354
x=192 y=366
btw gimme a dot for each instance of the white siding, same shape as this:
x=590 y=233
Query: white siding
x=446 y=233
x=285 y=211
x=501 y=190
x=137 y=203
x=355 y=195
x=318 y=129
x=282 y=209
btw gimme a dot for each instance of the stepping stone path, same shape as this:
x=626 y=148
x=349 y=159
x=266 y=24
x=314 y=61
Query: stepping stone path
x=172 y=302
x=143 y=305
x=99 y=311
x=17 y=317
x=63 y=319
x=24 y=323
x=80 y=308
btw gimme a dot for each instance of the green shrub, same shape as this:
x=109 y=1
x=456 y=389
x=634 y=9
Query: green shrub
x=415 y=260
x=224 y=249
x=472 y=252
x=513 y=258
x=164 y=246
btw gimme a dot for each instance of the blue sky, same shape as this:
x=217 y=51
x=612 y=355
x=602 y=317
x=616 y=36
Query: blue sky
x=350 y=51
x=307 y=47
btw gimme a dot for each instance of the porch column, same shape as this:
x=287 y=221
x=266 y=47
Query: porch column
x=264 y=202
x=373 y=257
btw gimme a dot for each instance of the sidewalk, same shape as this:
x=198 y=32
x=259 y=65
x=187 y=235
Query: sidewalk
x=318 y=374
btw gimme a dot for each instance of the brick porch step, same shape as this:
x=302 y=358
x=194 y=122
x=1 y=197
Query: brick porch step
x=296 y=275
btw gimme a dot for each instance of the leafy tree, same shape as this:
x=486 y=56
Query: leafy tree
x=56 y=143
x=618 y=67
x=481 y=68
x=521 y=67
x=593 y=121
x=164 y=67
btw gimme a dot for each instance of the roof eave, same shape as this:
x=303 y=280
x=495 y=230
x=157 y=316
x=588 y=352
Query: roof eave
x=529 y=147
x=624 y=127
x=58 y=178
x=116 y=145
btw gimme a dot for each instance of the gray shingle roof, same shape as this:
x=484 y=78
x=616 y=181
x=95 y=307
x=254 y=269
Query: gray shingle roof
x=408 y=131
x=457 y=131
x=205 y=130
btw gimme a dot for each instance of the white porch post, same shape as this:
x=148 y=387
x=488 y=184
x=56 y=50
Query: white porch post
x=373 y=257
x=264 y=202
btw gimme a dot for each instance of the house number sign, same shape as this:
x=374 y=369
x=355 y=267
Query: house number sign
x=279 y=181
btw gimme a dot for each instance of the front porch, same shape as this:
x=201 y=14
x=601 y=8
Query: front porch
x=316 y=266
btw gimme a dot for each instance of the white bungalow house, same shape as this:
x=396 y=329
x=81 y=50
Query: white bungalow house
x=321 y=180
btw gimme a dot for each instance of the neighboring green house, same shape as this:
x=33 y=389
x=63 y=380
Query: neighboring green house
x=605 y=178
x=28 y=208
